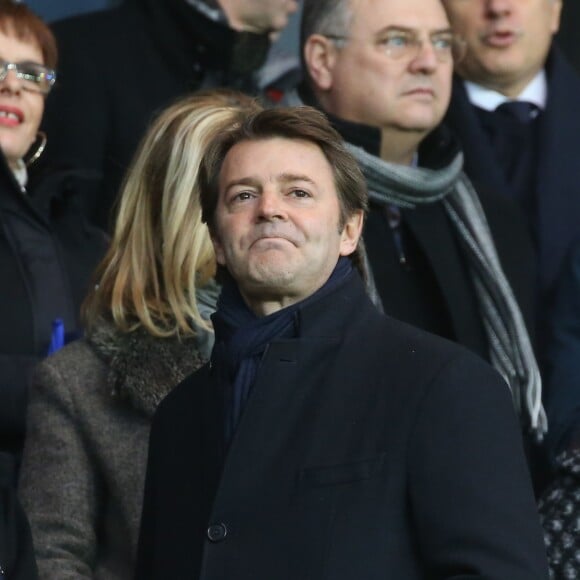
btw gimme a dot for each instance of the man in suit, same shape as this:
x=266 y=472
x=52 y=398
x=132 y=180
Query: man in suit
x=515 y=109
x=382 y=73
x=324 y=439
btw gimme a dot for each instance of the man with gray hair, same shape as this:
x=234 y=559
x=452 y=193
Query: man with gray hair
x=442 y=257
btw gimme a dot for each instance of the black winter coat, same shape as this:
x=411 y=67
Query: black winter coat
x=47 y=255
x=119 y=67
x=367 y=450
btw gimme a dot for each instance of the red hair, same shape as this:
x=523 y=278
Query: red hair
x=19 y=21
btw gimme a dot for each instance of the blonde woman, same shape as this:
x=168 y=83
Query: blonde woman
x=147 y=320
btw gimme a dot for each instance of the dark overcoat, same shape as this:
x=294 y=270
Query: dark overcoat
x=367 y=449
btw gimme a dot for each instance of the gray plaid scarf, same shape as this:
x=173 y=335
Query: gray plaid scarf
x=509 y=343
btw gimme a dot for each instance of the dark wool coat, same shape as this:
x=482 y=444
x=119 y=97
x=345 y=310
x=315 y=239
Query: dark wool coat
x=368 y=449
x=47 y=255
x=556 y=179
x=83 y=465
x=119 y=67
x=433 y=289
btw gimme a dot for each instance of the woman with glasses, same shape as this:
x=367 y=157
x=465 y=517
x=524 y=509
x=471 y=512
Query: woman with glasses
x=47 y=252
x=147 y=322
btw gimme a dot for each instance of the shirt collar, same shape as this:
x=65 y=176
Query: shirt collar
x=536 y=92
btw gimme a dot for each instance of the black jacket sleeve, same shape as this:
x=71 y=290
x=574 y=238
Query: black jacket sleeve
x=16 y=552
x=470 y=489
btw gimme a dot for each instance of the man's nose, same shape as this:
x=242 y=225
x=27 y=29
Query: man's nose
x=498 y=8
x=271 y=205
x=425 y=61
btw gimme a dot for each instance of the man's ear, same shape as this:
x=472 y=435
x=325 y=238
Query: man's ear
x=351 y=233
x=319 y=57
x=556 y=14
x=217 y=247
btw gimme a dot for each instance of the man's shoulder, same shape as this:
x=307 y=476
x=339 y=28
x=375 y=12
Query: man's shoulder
x=92 y=28
x=186 y=393
x=412 y=350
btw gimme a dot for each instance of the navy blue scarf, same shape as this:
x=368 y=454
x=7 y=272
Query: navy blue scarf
x=242 y=338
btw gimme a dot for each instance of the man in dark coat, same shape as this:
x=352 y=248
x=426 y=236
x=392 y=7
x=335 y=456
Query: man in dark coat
x=119 y=67
x=401 y=54
x=515 y=109
x=325 y=440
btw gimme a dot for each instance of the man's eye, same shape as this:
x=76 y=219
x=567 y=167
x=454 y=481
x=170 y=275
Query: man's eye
x=442 y=42
x=299 y=193
x=243 y=195
x=395 y=41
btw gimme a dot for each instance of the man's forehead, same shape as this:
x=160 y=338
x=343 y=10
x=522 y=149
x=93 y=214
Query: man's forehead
x=280 y=159
x=413 y=14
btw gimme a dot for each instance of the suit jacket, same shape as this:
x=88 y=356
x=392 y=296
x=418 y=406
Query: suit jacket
x=367 y=449
x=557 y=177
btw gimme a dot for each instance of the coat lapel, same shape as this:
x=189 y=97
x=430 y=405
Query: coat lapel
x=434 y=234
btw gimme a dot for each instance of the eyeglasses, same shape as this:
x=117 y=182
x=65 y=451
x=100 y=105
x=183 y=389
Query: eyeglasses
x=33 y=76
x=406 y=44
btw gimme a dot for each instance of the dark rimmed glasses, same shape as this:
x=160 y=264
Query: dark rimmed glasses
x=407 y=44
x=33 y=76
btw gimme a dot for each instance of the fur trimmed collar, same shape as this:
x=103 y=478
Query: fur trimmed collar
x=143 y=369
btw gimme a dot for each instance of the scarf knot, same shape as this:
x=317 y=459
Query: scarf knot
x=242 y=338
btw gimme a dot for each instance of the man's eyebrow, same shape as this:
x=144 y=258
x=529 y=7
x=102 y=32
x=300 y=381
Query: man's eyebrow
x=256 y=183
x=249 y=181
x=289 y=177
x=394 y=28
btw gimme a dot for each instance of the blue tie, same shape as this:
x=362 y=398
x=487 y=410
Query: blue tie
x=523 y=111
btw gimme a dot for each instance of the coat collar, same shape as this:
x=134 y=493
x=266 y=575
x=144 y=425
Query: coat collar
x=143 y=368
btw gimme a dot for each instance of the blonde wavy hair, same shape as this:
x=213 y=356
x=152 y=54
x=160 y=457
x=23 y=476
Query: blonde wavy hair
x=161 y=252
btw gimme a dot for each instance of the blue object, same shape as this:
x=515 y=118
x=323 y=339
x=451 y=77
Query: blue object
x=57 y=9
x=57 y=336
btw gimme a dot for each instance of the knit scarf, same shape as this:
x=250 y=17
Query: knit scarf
x=242 y=338
x=510 y=349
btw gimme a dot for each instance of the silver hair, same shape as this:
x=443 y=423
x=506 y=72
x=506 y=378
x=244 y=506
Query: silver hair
x=325 y=17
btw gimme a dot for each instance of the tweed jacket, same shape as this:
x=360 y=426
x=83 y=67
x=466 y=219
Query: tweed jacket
x=86 y=447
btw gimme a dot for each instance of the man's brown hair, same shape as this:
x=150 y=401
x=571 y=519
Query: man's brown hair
x=297 y=123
